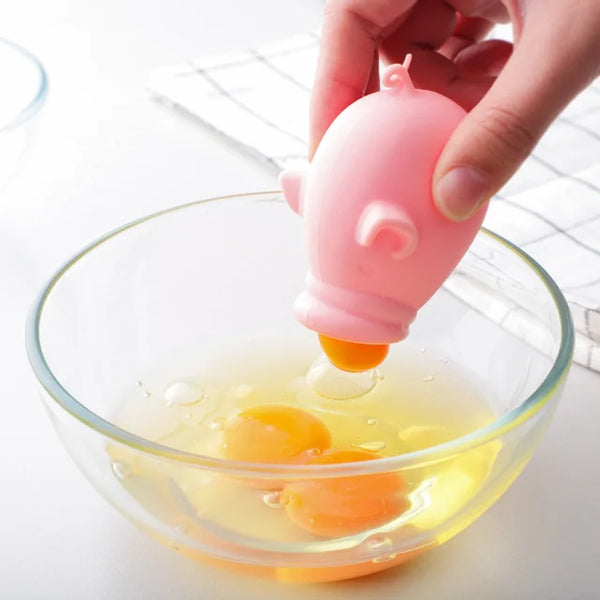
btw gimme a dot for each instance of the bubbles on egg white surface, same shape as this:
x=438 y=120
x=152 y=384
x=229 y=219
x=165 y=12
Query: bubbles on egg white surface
x=372 y=445
x=217 y=424
x=332 y=383
x=121 y=469
x=391 y=417
x=385 y=558
x=184 y=393
x=274 y=499
x=378 y=543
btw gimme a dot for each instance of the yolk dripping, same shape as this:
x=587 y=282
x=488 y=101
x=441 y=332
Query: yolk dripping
x=353 y=357
x=333 y=507
x=274 y=433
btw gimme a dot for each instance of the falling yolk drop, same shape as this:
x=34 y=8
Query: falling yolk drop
x=351 y=356
x=274 y=433
x=340 y=506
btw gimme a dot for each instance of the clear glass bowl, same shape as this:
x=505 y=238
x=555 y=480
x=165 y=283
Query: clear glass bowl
x=169 y=291
x=24 y=88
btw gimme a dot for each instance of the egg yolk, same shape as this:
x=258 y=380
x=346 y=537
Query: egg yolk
x=340 y=506
x=274 y=433
x=353 y=357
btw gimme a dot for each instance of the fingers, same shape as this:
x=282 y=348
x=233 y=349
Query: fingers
x=466 y=32
x=465 y=80
x=538 y=80
x=488 y=57
x=436 y=35
x=428 y=25
x=492 y=10
x=350 y=37
x=472 y=28
x=373 y=83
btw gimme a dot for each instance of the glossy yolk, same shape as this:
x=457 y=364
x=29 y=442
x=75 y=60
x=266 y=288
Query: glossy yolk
x=334 y=507
x=274 y=434
x=353 y=357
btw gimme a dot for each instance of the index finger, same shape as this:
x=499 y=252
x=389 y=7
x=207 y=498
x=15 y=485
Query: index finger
x=351 y=32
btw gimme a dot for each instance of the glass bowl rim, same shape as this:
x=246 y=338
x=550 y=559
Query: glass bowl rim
x=38 y=98
x=417 y=459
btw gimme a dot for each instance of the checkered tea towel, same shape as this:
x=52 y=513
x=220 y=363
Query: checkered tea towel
x=550 y=208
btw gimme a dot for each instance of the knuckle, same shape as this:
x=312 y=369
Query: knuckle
x=508 y=131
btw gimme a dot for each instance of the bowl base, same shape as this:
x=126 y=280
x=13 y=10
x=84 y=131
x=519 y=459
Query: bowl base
x=326 y=574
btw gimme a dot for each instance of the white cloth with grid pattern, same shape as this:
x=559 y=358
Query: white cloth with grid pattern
x=551 y=208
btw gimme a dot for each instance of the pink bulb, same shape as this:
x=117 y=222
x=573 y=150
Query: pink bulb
x=378 y=248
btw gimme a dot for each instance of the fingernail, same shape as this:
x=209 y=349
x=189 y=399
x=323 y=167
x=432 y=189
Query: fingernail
x=460 y=192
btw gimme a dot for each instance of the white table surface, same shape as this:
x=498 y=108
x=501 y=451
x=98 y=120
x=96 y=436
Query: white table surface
x=105 y=153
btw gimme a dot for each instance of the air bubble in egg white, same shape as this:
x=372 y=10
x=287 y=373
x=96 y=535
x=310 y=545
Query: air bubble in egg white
x=274 y=499
x=122 y=470
x=379 y=543
x=372 y=446
x=184 y=393
x=332 y=383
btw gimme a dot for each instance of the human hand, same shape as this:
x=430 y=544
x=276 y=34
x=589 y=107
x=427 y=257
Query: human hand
x=512 y=95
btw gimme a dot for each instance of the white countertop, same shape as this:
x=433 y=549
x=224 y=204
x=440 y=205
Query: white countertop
x=104 y=154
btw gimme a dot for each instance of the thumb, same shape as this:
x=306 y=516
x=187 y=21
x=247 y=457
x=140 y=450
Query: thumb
x=537 y=82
